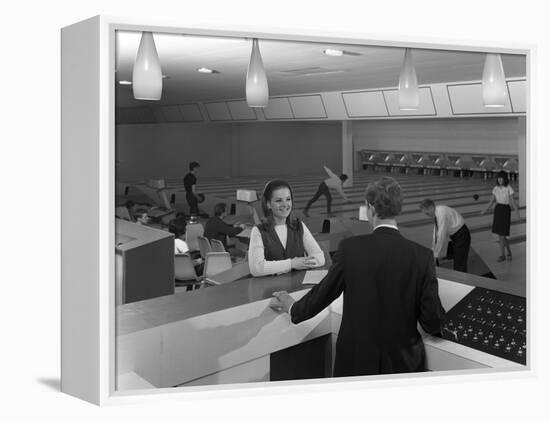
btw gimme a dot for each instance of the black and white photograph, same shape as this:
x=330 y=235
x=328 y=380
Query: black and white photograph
x=307 y=209
x=289 y=210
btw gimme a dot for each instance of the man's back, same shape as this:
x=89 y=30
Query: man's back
x=389 y=284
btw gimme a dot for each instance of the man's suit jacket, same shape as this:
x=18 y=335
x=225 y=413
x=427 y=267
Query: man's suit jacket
x=389 y=284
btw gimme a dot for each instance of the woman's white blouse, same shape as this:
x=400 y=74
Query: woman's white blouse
x=256 y=257
x=502 y=194
x=180 y=246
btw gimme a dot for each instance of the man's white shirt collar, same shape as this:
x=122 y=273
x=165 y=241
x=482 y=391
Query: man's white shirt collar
x=387 y=226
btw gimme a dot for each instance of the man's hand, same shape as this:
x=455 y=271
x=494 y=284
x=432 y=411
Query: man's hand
x=281 y=302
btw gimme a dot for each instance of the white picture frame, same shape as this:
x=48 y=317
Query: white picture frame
x=88 y=163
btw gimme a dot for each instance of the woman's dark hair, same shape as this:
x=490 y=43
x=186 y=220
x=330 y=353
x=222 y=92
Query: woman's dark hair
x=219 y=209
x=266 y=197
x=504 y=176
x=193 y=165
x=385 y=195
x=177 y=226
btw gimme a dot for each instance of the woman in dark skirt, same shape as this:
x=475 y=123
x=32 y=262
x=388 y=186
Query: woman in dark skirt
x=503 y=196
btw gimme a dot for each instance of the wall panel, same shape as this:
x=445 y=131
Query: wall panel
x=467 y=135
x=164 y=150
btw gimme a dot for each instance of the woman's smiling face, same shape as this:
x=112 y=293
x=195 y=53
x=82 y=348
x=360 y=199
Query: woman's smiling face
x=280 y=204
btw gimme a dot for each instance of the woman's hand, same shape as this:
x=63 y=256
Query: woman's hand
x=302 y=263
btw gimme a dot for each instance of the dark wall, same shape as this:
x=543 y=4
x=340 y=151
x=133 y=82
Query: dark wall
x=234 y=149
x=286 y=148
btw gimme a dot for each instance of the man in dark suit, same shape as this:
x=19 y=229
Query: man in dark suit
x=389 y=284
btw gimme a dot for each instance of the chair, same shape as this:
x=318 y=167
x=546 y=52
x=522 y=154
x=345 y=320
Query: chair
x=192 y=232
x=204 y=246
x=184 y=272
x=216 y=262
x=217 y=246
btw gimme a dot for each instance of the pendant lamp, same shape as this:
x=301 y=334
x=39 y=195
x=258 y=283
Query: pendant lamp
x=493 y=82
x=257 y=91
x=409 y=96
x=147 y=74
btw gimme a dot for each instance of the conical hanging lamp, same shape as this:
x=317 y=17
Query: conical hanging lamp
x=257 y=91
x=147 y=74
x=409 y=96
x=493 y=82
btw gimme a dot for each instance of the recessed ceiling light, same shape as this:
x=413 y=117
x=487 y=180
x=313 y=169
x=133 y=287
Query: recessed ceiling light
x=333 y=52
x=206 y=70
x=124 y=82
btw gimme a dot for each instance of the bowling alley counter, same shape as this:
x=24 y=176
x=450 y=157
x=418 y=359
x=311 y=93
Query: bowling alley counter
x=229 y=334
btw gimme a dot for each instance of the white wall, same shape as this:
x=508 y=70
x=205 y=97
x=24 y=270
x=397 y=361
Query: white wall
x=464 y=135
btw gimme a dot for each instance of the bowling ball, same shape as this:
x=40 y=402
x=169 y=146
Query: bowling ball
x=476 y=196
x=200 y=196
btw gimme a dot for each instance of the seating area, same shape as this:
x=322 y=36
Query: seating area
x=429 y=163
x=213 y=259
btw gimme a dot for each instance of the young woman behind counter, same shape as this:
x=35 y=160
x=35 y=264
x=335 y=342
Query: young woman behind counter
x=281 y=243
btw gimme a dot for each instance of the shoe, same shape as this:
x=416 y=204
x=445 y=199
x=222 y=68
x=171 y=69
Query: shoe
x=501 y=259
x=509 y=257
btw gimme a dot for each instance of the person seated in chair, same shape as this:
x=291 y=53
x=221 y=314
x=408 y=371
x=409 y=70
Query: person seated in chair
x=217 y=229
x=177 y=227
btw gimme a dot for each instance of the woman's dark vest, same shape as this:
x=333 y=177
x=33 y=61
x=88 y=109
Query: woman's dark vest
x=273 y=249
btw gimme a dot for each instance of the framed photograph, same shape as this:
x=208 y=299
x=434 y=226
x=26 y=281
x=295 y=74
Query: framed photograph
x=225 y=195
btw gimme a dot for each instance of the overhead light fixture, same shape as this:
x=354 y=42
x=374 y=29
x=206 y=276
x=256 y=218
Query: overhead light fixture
x=124 y=82
x=494 y=82
x=409 y=96
x=257 y=91
x=147 y=74
x=333 y=52
x=206 y=70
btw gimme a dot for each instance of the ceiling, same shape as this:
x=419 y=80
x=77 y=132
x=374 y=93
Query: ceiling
x=291 y=67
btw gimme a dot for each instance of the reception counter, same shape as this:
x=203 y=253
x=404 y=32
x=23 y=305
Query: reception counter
x=229 y=334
